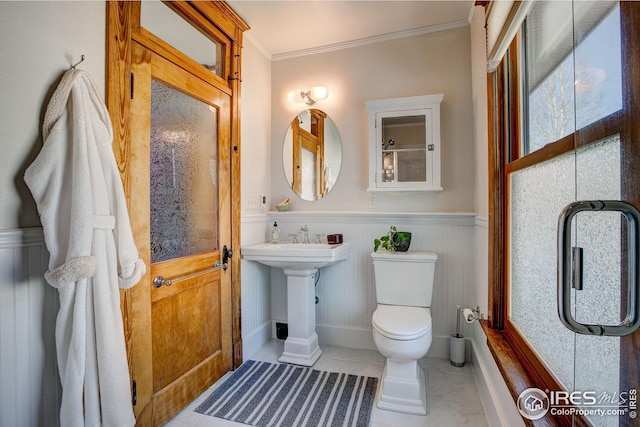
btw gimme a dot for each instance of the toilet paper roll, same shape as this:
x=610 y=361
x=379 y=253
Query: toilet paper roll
x=469 y=317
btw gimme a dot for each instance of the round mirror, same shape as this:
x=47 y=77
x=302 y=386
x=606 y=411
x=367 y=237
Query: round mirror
x=312 y=154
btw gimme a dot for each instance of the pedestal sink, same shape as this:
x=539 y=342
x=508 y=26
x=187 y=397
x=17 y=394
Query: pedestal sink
x=300 y=263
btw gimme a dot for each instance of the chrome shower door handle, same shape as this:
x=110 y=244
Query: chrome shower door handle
x=565 y=270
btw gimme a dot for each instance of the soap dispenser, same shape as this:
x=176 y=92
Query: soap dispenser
x=275 y=233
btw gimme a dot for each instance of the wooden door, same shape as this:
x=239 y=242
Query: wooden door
x=180 y=198
x=309 y=142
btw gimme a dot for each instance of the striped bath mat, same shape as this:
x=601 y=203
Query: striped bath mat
x=267 y=394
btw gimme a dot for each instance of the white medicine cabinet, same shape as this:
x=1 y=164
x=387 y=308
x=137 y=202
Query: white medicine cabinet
x=404 y=143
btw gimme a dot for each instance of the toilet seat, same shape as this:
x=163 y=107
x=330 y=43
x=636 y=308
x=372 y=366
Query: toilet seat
x=401 y=323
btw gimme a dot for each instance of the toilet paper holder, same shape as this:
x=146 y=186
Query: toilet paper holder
x=471 y=315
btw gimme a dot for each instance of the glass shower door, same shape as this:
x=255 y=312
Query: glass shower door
x=575 y=103
x=601 y=236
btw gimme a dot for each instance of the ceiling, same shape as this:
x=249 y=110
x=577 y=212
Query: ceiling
x=284 y=29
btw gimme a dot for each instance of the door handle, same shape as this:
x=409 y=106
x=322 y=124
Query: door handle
x=565 y=271
x=159 y=281
x=226 y=254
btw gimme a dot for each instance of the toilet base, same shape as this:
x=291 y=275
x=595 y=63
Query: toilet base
x=403 y=388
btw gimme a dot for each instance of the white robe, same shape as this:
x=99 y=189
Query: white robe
x=77 y=188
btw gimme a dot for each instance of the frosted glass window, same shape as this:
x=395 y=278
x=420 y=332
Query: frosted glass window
x=533 y=269
x=183 y=175
x=591 y=172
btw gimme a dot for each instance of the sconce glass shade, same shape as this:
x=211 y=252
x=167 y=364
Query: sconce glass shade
x=319 y=93
x=310 y=97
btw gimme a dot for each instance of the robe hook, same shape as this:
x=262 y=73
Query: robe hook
x=73 y=67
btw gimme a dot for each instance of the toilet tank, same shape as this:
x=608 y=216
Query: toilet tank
x=404 y=278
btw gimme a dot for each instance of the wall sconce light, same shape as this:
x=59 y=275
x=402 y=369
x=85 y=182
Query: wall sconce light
x=310 y=97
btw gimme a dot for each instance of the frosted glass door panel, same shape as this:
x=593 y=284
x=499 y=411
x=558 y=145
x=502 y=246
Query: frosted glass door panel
x=533 y=255
x=580 y=362
x=597 y=362
x=183 y=175
x=309 y=179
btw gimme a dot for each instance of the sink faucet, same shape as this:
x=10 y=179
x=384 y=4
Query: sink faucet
x=305 y=230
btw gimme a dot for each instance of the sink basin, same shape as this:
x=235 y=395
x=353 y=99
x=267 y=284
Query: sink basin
x=297 y=256
x=300 y=263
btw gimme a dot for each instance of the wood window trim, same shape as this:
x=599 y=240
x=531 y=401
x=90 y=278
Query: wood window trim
x=517 y=363
x=149 y=40
x=192 y=14
x=515 y=374
x=518 y=375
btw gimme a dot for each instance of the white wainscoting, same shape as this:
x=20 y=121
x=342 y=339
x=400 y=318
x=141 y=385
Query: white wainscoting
x=255 y=280
x=29 y=385
x=346 y=290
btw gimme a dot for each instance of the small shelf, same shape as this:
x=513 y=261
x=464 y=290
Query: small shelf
x=400 y=189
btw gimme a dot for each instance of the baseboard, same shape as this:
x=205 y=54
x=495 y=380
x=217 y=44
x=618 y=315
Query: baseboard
x=345 y=337
x=440 y=348
x=484 y=390
x=493 y=395
x=256 y=340
x=363 y=339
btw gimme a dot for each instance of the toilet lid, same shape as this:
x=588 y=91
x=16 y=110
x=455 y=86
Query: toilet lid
x=401 y=322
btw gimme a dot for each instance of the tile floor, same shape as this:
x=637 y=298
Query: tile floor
x=452 y=396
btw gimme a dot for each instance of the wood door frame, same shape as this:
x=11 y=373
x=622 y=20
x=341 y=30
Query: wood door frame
x=313 y=141
x=215 y=18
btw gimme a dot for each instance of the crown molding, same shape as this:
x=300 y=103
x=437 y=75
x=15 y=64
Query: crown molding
x=369 y=40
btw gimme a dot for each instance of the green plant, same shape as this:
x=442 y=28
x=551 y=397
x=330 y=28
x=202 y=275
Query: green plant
x=394 y=241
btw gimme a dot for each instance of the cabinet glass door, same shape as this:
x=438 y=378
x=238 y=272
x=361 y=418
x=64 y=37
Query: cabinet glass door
x=404 y=149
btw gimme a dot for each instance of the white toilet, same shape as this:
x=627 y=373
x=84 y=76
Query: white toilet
x=402 y=326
